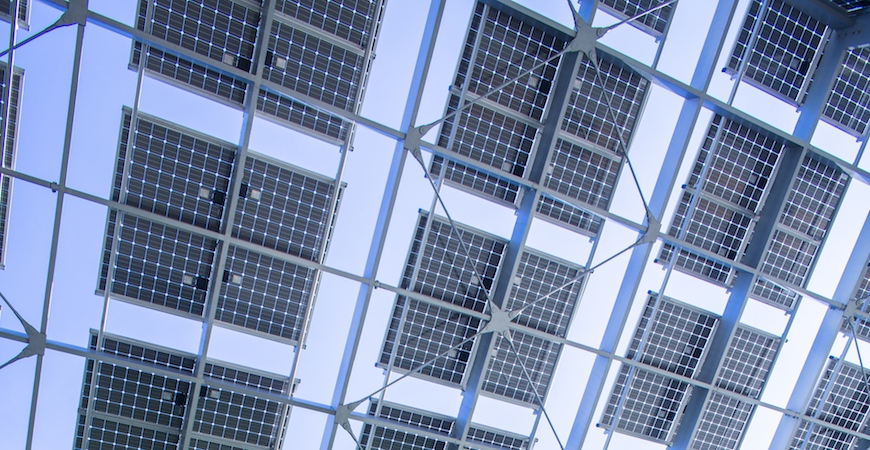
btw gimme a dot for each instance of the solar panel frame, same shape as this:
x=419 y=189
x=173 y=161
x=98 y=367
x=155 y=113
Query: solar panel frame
x=847 y=105
x=8 y=152
x=568 y=216
x=655 y=23
x=504 y=376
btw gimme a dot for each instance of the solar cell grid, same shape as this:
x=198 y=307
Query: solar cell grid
x=582 y=174
x=443 y=270
x=506 y=47
x=298 y=113
x=712 y=226
x=848 y=106
x=789 y=258
x=390 y=439
x=158 y=264
x=106 y=434
x=539 y=276
x=264 y=294
x=654 y=23
x=201 y=444
x=722 y=423
x=174 y=173
x=351 y=20
x=774 y=294
x=313 y=66
x=747 y=362
x=158 y=357
x=498 y=439
x=240 y=417
x=650 y=405
x=852 y=6
x=587 y=115
x=568 y=216
x=7 y=153
x=505 y=376
x=428 y=332
x=813 y=199
x=475 y=181
x=845 y=405
x=783 y=51
x=23 y=6
x=289 y=212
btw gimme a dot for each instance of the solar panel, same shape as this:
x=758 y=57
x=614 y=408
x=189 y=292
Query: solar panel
x=7 y=153
x=772 y=293
x=582 y=174
x=437 y=267
x=841 y=399
x=158 y=264
x=781 y=52
x=587 y=115
x=505 y=375
x=654 y=23
x=862 y=294
x=174 y=172
x=221 y=30
x=135 y=407
x=669 y=336
x=264 y=294
x=744 y=370
x=351 y=20
x=727 y=184
x=496 y=438
x=568 y=216
x=23 y=8
x=852 y=6
x=847 y=106
x=283 y=208
x=538 y=275
x=292 y=112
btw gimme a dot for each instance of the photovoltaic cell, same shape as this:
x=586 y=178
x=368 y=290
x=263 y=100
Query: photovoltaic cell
x=504 y=47
x=669 y=336
x=852 y=6
x=106 y=434
x=158 y=264
x=505 y=376
x=475 y=181
x=727 y=184
x=774 y=294
x=845 y=405
x=568 y=216
x=264 y=294
x=7 y=154
x=351 y=20
x=289 y=211
x=23 y=6
x=744 y=371
x=221 y=30
x=496 y=438
x=587 y=115
x=174 y=173
x=781 y=54
x=536 y=277
x=298 y=113
x=654 y=23
x=847 y=106
x=862 y=295
x=582 y=174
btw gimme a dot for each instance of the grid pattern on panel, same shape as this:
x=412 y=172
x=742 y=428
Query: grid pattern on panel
x=6 y=5
x=158 y=264
x=496 y=438
x=390 y=439
x=264 y=294
x=538 y=276
x=506 y=47
x=650 y=406
x=769 y=292
x=429 y=331
x=240 y=417
x=846 y=405
x=582 y=174
x=711 y=226
x=783 y=51
x=174 y=174
x=201 y=444
x=351 y=20
x=740 y=166
x=744 y=371
x=655 y=21
x=813 y=199
x=106 y=434
x=696 y=264
x=478 y=182
x=443 y=270
x=852 y=6
x=313 y=66
x=569 y=216
x=144 y=354
x=298 y=113
x=8 y=151
x=283 y=209
x=722 y=423
x=505 y=376
x=137 y=395
x=862 y=327
x=789 y=258
x=676 y=336
x=240 y=377
x=747 y=363
x=848 y=105
x=587 y=115
x=221 y=30
x=488 y=136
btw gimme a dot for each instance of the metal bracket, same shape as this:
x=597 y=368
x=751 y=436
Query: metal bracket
x=653 y=228
x=413 y=139
x=499 y=321
x=35 y=339
x=342 y=415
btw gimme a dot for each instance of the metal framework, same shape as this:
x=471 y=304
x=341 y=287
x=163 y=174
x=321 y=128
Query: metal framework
x=540 y=120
